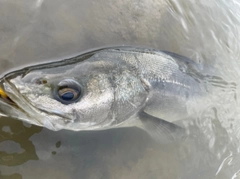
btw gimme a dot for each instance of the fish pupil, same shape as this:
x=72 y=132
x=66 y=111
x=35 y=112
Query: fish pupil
x=67 y=96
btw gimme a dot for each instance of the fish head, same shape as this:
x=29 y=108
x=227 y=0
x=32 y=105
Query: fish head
x=87 y=95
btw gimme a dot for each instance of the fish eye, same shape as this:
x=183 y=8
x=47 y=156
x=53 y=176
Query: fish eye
x=68 y=91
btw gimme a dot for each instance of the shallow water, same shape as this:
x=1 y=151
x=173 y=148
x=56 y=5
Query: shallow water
x=205 y=31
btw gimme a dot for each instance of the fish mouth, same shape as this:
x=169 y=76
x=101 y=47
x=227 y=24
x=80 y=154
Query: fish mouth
x=5 y=98
x=5 y=102
x=13 y=105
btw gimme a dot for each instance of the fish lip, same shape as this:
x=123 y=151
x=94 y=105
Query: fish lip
x=2 y=115
x=13 y=105
x=3 y=104
x=4 y=98
x=9 y=110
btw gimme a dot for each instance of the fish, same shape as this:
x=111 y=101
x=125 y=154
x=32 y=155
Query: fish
x=106 y=88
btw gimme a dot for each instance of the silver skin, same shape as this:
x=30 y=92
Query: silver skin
x=117 y=85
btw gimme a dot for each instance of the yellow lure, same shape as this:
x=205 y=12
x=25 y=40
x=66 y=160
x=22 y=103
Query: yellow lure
x=2 y=93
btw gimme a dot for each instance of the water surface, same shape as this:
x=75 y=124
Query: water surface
x=205 y=31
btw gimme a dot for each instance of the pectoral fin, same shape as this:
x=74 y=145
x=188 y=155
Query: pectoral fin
x=161 y=130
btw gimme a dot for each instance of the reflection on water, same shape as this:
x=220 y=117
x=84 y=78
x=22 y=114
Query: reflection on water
x=119 y=153
x=99 y=154
x=14 y=132
x=20 y=134
x=13 y=176
x=205 y=31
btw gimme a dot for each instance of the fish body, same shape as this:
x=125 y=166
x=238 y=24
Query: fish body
x=105 y=88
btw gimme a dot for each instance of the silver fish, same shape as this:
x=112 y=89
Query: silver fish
x=106 y=88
